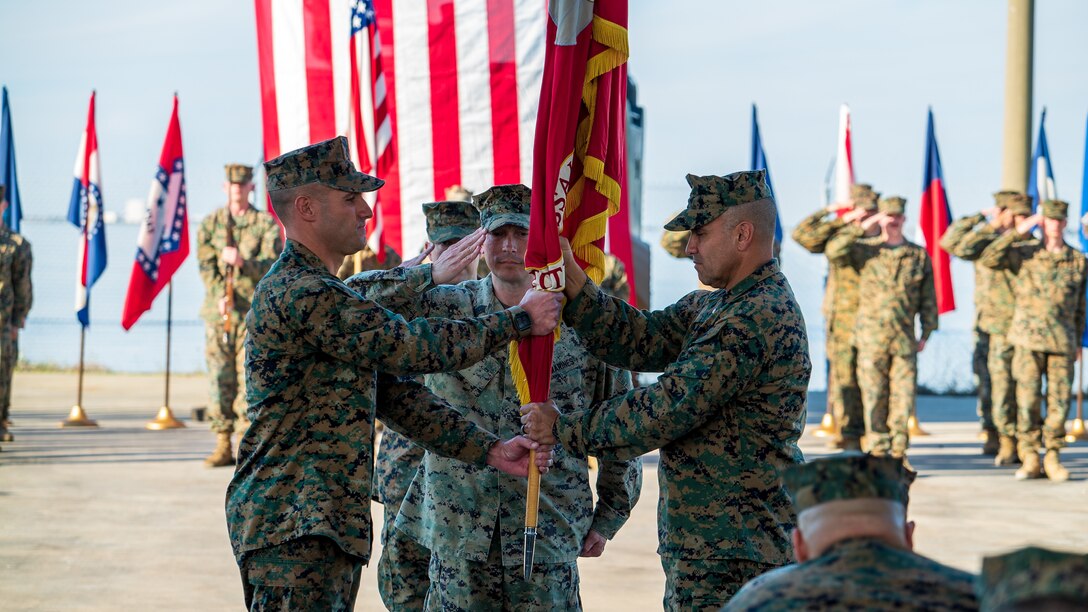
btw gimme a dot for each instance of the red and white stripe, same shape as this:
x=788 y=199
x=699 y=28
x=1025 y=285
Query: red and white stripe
x=844 y=160
x=461 y=87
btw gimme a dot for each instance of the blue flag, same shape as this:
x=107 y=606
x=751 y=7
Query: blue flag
x=759 y=162
x=1041 y=184
x=13 y=216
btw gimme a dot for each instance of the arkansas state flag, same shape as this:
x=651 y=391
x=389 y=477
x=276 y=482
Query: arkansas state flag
x=163 y=242
x=935 y=218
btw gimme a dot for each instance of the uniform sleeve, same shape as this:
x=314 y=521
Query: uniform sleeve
x=412 y=409
x=623 y=336
x=1000 y=255
x=843 y=248
x=928 y=307
x=207 y=258
x=960 y=229
x=619 y=483
x=813 y=232
x=271 y=245
x=397 y=289
x=344 y=325
x=22 y=285
x=975 y=242
x=707 y=376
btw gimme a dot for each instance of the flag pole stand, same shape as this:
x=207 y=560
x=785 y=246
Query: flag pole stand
x=77 y=417
x=828 y=427
x=914 y=429
x=1077 y=432
x=165 y=418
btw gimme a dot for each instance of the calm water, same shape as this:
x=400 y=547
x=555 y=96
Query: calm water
x=52 y=332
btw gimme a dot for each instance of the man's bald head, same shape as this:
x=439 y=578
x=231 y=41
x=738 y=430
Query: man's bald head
x=762 y=215
x=823 y=525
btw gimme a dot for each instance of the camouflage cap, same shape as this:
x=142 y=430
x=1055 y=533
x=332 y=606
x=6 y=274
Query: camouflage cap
x=450 y=220
x=503 y=205
x=239 y=173
x=327 y=162
x=850 y=475
x=1002 y=198
x=893 y=205
x=711 y=195
x=457 y=192
x=1016 y=203
x=1032 y=573
x=676 y=243
x=863 y=196
x=1055 y=209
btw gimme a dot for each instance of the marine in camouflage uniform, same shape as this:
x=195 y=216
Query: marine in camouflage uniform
x=1046 y=331
x=368 y=260
x=967 y=238
x=896 y=278
x=402 y=567
x=727 y=411
x=298 y=506
x=840 y=314
x=257 y=240
x=472 y=519
x=1033 y=578
x=841 y=567
x=16 y=296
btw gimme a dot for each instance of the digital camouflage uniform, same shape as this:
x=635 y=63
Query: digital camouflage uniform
x=16 y=296
x=472 y=518
x=1033 y=578
x=258 y=239
x=321 y=364
x=858 y=573
x=897 y=282
x=1046 y=330
x=726 y=413
x=840 y=307
x=614 y=282
x=403 y=565
x=967 y=238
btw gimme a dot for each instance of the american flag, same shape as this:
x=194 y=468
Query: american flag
x=461 y=87
x=370 y=132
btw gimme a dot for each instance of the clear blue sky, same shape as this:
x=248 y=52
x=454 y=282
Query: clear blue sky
x=699 y=64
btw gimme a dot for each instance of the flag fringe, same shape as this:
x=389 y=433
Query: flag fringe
x=517 y=371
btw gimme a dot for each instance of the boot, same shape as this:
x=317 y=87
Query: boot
x=990 y=446
x=222 y=455
x=851 y=444
x=1055 y=471
x=5 y=435
x=1031 y=468
x=1006 y=454
x=836 y=442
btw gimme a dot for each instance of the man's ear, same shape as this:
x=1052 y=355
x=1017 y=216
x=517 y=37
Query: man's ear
x=745 y=231
x=908 y=534
x=800 y=548
x=305 y=207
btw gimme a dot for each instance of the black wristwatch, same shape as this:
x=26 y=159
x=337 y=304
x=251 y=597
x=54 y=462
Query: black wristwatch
x=522 y=321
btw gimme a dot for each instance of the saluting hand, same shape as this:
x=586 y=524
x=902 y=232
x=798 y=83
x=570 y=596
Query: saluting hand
x=868 y=223
x=854 y=214
x=418 y=259
x=538 y=421
x=1025 y=226
x=459 y=255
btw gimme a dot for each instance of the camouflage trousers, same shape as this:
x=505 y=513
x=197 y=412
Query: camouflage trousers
x=308 y=573
x=402 y=568
x=489 y=586
x=980 y=366
x=1029 y=367
x=1002 y=385
x=843 y=392
x=9 y=355
x=888 y=389
x=706 y=584
x=226 y=375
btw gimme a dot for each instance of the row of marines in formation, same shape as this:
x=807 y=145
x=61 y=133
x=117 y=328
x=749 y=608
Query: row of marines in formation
x=1029 y=321
x=325 y=358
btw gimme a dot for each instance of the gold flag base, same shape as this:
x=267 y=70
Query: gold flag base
x=164 y=420
x=78 y=418
x=981 y=435
x=914 y=429
x=1077 y=432
x=827 y=426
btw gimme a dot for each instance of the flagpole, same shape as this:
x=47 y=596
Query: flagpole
x=77 y=417
x=165 y=419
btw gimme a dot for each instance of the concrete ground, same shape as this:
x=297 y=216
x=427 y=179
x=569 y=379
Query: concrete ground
x=120 y=517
